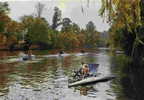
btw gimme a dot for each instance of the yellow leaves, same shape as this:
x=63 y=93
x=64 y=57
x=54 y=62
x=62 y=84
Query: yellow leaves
x=119 y=24
x=11 y=39
x=129 y=19
x=4 y=18
x=127 y=6
x=13 y=27
x=2 y=39
x=122 y=12
x=39 y=21
x=70 y=40
x=115 y=2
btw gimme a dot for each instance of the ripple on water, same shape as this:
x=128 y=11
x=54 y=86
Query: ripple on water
x=48 y=79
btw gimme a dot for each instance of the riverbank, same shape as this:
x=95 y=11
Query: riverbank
x=6 y=52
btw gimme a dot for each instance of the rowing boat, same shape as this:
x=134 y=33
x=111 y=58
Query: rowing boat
x=92 y=80
x=94 y=77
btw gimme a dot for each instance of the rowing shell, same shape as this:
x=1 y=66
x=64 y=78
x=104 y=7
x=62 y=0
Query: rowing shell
x=92 y=80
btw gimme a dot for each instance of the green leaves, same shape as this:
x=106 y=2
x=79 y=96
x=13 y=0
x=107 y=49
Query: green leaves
x=37 y=29
x=56 y=21
x=127 y=11
x=124 y=15
x=4 y=7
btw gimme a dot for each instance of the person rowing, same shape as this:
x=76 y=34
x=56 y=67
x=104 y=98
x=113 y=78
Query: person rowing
x=85 y=70
x=82 y=51
x=82 y=72
x=61 y=52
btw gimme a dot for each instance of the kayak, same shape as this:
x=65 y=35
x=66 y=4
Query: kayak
x=92 y=80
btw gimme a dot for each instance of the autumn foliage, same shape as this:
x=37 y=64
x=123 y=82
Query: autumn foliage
x=39 y=33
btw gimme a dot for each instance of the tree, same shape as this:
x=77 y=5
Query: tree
x=127 y=30
x=4 y=8
x=75 y=28
x=4 y=18
x=91 y=35
x=56 y=21
x=13 y=28
x=39 y=9
x=66 y=24
x=69 y=40
x=37 y=29
x=90 y=27
x=125 y=17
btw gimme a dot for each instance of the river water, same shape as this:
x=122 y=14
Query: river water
x=46 y=78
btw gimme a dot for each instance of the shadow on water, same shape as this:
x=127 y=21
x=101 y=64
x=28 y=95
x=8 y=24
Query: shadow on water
x=48 y=79
x=129 y=85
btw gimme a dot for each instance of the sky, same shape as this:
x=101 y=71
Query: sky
x=69 y=8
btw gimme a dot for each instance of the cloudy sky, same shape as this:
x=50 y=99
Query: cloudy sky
x=69 y=8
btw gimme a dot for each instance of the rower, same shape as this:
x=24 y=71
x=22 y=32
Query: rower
x=60 y=53
x=85 y=70
x=82 y=51
x=78 y=73
x=30 y=55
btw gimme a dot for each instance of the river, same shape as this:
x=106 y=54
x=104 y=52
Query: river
x=47 y=77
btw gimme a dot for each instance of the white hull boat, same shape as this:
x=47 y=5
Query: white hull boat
x=92 y=80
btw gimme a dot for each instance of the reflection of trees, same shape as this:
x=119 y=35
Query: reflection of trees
x=4 y=54
x=47 y=70
x=5 y=70
x=69 y=64
x=37 y=73
x=129 y=83
x=67 y=61
x=85 y=89
x=90 y=59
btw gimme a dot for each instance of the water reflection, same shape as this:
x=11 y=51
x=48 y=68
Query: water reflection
x=48 y=79
x=129 y=84
x=89 y=91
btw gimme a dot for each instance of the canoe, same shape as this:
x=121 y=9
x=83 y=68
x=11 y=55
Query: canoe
x=92 y=80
